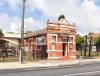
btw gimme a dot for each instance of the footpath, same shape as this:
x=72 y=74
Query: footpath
x=45 y=63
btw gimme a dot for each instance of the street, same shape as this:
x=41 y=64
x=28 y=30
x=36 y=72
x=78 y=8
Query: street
x=92 y=69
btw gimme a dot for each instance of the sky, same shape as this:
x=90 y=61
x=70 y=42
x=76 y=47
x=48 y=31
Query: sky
x=84 y=13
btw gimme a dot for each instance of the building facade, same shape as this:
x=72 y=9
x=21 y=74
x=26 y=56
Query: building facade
x=56 y=41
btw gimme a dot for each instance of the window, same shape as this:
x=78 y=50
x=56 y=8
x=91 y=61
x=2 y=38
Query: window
x=70 y=46
x=40 y=40
x=53 y=39
x=53 y=42
x=70 y=39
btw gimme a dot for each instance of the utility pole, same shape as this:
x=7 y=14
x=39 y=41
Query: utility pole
x=22 y=33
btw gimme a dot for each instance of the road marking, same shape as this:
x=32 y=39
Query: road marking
x=82 y=73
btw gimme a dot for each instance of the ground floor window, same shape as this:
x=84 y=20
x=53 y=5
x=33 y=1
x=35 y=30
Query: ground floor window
x=53 y=46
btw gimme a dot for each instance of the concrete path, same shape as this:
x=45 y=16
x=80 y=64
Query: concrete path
x=45 y=63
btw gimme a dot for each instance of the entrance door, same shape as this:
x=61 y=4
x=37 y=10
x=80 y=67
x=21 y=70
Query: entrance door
x=44 y=51
x=64 y=48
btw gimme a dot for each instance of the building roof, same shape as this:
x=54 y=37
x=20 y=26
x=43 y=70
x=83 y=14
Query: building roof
x=38 y=32
x=95 y=35
x=12 y=35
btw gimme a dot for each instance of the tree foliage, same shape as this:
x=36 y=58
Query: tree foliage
x=61 y=17
x=90 y=33
x=2 y=42
x=98 y=41
x=1 y=33
x=79 y=40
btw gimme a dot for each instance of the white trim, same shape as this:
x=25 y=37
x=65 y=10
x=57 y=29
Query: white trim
x=54 y=50
x=54 y=57
x=62 y=26
x=52 y=25
x=67 y=27
x=73 y=56
x=51 y=37
x=61 y=42
x=73 y=40
x=71 y=27
x=71 y=36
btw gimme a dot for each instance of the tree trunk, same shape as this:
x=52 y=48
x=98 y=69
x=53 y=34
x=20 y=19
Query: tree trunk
x=97 y=49
x=85 y=46
x=90 y=46
x=81 y=50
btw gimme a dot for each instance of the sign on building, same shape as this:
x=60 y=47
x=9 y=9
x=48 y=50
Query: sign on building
x=93 y=48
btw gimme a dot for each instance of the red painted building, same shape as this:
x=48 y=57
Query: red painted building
x=56 y=41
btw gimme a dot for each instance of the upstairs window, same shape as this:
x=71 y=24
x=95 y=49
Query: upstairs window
x=53 y=39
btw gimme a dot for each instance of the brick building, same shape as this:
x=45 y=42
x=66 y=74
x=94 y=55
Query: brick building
x=94 y=36
x=56 y=41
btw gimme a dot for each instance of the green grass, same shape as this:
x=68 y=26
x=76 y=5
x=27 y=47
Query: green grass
x=93 y=54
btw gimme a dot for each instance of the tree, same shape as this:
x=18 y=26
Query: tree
x=79 y=42
x=90 y=45
x=1 y=33
x=2 y=42
x=97 y=43
x=61 y=17
x=90 y=33
x=28 y=32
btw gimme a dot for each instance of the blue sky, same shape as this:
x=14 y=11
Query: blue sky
x=85 y=13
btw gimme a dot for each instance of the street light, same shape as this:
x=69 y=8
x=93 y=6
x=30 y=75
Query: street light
x=22 y=33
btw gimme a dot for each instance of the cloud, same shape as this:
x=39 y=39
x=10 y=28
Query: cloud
x=33 y=24
x=13 y=4
x=85 y=13
x=4 y=21
x=9 y=24
x=14 y=27
x=90 y=21
x=35 y=4
x=13 y=24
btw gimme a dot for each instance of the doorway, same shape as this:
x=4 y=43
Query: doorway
x=64 y=48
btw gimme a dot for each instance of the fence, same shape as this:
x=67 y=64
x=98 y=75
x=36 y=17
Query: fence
x=94 y=50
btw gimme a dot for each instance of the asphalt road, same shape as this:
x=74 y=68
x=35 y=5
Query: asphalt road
x=75 y=70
